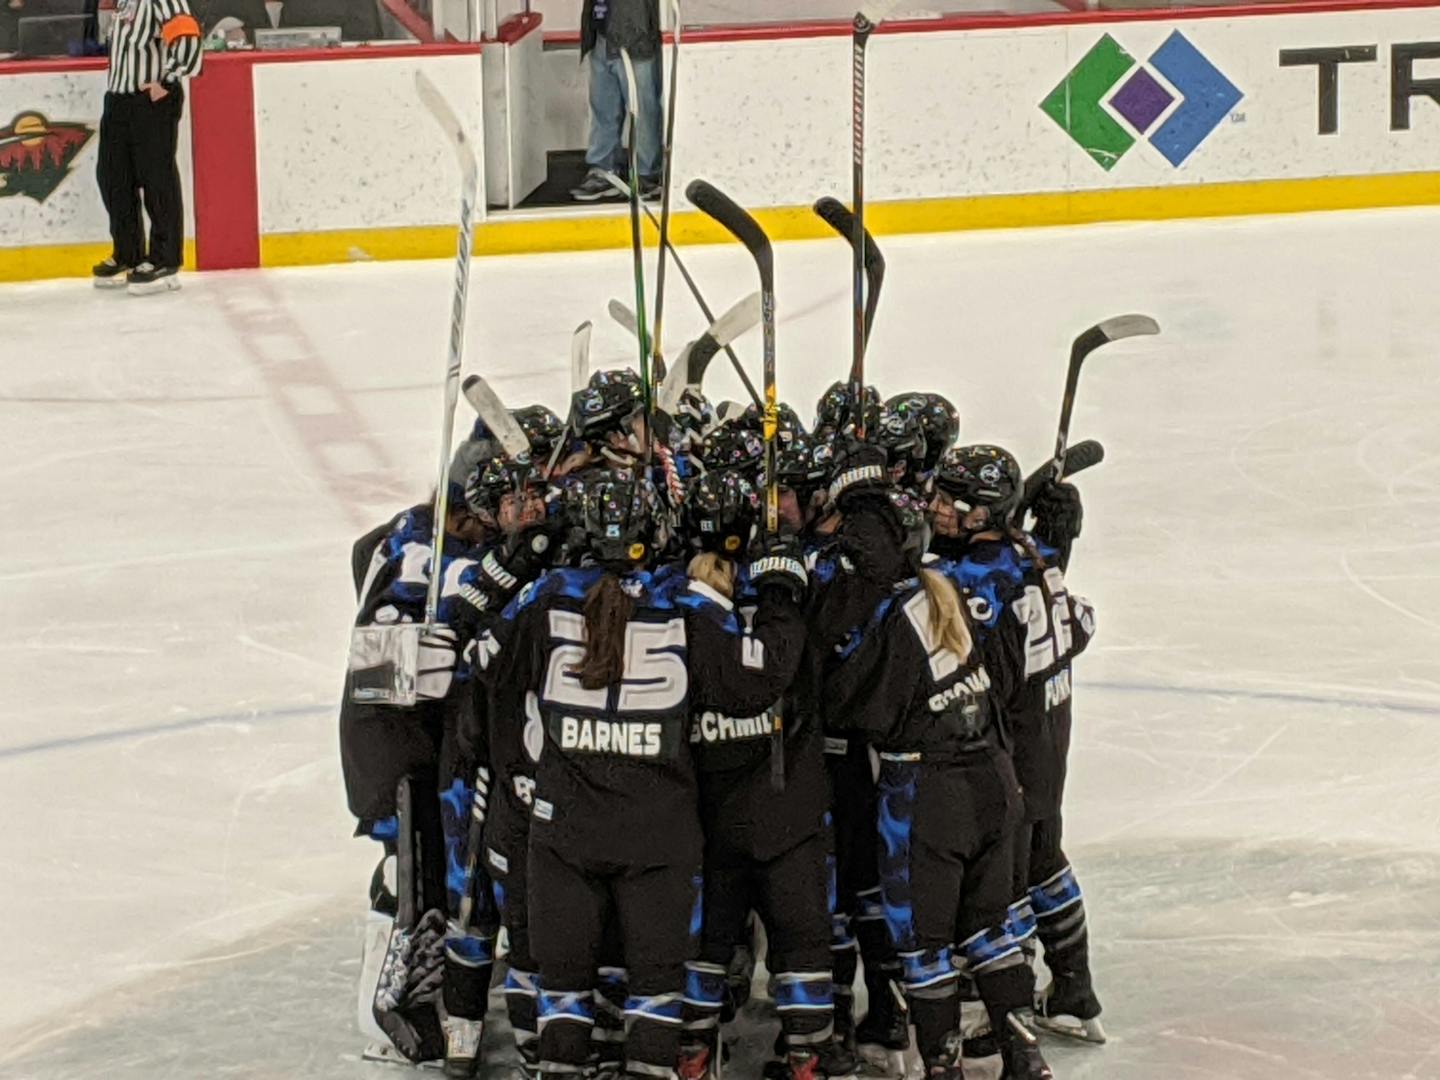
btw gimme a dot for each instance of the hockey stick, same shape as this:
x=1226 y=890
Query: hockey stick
x=690 y=369
x=714 y=203
x=623 y=317
x=837 y=215
x=1116 y=329
x=637 y=252
x=450 y=124
x=388 y=655
x=867 y=19
x=496 y=417
x=1078 y=458
x=658 y=358
x=624 y=188
x=580 y=357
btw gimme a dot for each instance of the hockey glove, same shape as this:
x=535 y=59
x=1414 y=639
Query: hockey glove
x=1058 y=514
x=780 y=569
x=860 y=469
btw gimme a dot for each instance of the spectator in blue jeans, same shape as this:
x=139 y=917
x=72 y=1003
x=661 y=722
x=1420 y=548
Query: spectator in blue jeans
x=607 y=27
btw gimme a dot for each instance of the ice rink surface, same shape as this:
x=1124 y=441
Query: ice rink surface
x=1255 y=803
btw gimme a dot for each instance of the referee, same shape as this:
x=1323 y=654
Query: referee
x=153 y=45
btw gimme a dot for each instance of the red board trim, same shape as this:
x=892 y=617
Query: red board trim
x=801 y=30
x=227 y=195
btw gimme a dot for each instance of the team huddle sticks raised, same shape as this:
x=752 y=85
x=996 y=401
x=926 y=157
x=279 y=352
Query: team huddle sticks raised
x=390 y=655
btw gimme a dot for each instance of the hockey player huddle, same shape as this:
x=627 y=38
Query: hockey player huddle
x=645 y=720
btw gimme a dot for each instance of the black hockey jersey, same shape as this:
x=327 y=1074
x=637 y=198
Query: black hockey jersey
x=615 y=776
x=896 y=684
x=735 y=755
x=1056 y=626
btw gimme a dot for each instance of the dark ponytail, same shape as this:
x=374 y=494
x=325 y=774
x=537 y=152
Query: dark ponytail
x=607 y=611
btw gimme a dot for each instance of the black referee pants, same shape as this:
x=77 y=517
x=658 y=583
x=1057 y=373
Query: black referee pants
x=137 y=161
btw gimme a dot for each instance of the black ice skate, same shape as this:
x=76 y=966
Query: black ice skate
x=110 y=274
x=148 y=278
x=1069 y=1007
x=1021 y=1050
x=883 y=1036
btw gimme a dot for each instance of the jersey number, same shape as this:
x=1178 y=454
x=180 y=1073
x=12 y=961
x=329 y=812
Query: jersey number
x=1047 y=632
x=655 y=678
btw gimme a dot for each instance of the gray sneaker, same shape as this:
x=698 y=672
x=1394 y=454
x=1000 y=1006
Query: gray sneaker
x=594 y=188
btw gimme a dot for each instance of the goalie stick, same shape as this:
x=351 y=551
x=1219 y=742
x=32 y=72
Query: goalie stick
x=867 y=19
x=384 y=659
x=624 y=188
x=837 y=215
x=632 y=105
x=1116 y=329
x=714 y=203
x=450 y=124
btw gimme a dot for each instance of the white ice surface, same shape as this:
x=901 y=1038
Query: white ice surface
x=1255 y=804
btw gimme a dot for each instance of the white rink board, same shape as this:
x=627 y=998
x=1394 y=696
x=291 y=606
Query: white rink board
x=347 y=145
x=956 y=113
x=74 y=212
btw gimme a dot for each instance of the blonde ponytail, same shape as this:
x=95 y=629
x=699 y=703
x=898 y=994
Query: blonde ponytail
x=714 y=570
x=948 y=624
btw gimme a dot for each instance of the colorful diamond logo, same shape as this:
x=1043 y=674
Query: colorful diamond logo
x=1084 y=107
x=1141 y=100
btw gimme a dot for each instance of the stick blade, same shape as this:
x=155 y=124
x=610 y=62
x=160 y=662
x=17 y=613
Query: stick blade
x=838 y=216
x=580 y=356
x=725 y=211
x=624 y=317
x=741 y=317
x=744 y=315
x=497 y=418
x=1125 y=326
x=444 y=115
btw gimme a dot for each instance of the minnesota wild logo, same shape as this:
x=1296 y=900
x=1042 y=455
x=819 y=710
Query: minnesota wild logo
x=35 y=154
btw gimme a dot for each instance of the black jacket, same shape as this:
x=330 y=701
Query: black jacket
x=631 y=24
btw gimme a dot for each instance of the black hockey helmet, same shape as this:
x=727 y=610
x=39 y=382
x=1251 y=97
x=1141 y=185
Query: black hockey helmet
x=938 y=417
x=982 y=476
x=620 y=511
x=541 y=427
x=902 y=437
x=607 y=404
x=787 y=422
x=804 y=466
x=733 y=446
x=833 y=411
x=720 y=512
x=490 y=481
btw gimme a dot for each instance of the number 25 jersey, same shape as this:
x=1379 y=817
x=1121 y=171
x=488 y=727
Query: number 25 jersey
x=614 y=772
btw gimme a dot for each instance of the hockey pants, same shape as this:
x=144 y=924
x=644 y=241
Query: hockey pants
x=657 y=910
x=948 y=830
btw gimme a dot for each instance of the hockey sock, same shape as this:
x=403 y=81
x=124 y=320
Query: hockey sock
x=521 y=988
x=1061 y=926
x=804 y=1000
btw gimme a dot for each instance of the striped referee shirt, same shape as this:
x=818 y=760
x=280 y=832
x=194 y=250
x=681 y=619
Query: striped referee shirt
x=152 y=41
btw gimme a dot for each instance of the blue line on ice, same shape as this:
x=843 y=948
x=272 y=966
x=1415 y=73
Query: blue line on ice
x=256 y=716
x=1413 y=708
